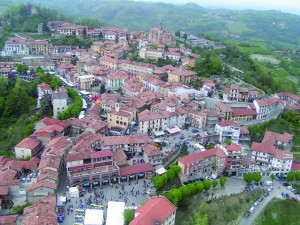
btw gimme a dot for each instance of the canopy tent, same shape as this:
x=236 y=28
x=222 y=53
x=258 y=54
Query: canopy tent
x=74 y=192
x=115 y=213
x=93 y=217
x=173 y=130
x=158 y=133
x=61 y=200
x=160 y=171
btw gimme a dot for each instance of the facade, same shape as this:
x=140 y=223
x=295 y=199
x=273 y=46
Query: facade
x=86 y=81
x=228 y=130
x=265 y=108
x=71 y=29
x=152 y=154
x=158 y=36
x=153 y=84
x=202 y=164
x=151 y=53
x=109 y=63
x=121 y=116
x=182 y=75
x=43 y=89
x=28 y=147
x=59 y=101
x=134 y=68
x=196 y=119
x=115 y=80
x=21 y=46
x=240 y=94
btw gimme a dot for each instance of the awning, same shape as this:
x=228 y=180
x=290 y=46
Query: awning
x=173 y=130
x=158 y=133
x=160 y=171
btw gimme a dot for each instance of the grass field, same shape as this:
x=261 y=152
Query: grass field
x=226 y=211
x=280 y=212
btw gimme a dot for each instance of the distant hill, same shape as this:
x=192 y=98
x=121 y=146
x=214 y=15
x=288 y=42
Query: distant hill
x=273 y=29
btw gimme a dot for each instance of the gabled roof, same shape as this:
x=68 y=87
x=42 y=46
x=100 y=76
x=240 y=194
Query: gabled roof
x=155 y=211
x=40 y=184
x=28 y=143
x=135 y=169
x=261 y=147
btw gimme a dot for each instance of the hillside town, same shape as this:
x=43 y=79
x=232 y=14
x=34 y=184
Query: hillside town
x=90 y=169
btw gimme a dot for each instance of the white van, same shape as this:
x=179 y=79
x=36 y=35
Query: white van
x=269 y=183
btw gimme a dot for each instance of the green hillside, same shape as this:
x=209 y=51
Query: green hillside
x=272 y=29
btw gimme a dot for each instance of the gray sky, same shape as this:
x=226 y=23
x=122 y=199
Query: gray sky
x=292 y=6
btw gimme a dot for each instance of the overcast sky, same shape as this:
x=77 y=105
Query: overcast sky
x=292 y=6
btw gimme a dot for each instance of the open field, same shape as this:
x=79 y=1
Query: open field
x=280 y=212
x=265 y=58
x=225 y=211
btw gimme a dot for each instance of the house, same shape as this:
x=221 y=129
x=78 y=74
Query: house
x=244 y=114
x=43 y=89
x=196 y=119
x=228 y=130
x=265 y=108
x=115 y=80
x=202 y=164
x=22 y=46
x=152 y=154
x=39 y=190
x=121 y=116
x=157 y=210
x=28 y=147
x=281 y=141
x=240 y=94
x=134 y=68
x=42 y=212
x=85 y=81
x=234 y=158
x=289 y=98
x=151 y=53
x=153 y=84
x=157 y=35
x=108 y=62
x=59 y=101
x=182 y=75
x=225 y=110
x=212 y=117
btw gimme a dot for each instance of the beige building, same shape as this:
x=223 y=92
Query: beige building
x=196 y=119
x=151 y=53
x=121 y=116
x=134 y=68
x=28 y=147
x=183 y=76
x=109 y=63
x=85 y=81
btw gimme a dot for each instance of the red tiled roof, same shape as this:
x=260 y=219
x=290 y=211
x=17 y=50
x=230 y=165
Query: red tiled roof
x=202 y=155
x=8 y=220
x=135 y=169
x=234 y=147
x=119 y=157
x=28 y=143
x=228 y=123
x=50 y=161
x=48 y=174
x=101 y=154
x=3 y=190
x=130 y=139
x=49 y=121
x=223 y=107
x=272 y=137
x=267 y=102
x=151 y=150
x=155 y=211
x=43 y=87
x=243 y=112
x=295 y=166
x=261 y=147
x=280 y=154
x=40 y=184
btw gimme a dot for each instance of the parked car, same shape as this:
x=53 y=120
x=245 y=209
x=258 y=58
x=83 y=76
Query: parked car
x=286 y=184
x=23 y=180
x=247 y=214
x=28 y=179
x=287 y=196
x=270 y=189
x=294 y=199
x=289 y=187
x=266 y=194
x=283 y=195
x=255 y=204
x=251 y=209
x=34 y=175
x=260 y=199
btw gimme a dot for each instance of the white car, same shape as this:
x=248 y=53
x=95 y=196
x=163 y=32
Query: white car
x=255 y=204
x=251 y=209
x=289 y=187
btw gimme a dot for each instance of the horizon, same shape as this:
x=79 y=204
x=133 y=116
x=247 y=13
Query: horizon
x=293 y=6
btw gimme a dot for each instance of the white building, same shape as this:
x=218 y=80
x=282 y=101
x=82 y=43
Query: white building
x=59 y=101
x=265 y=108
x=42 y=89
x=228 y=130
x=153 y=84
x=115 y=213
x=115 y=80
x=188 y=93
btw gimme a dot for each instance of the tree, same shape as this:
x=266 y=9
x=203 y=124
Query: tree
x=291 y=176
x=281 y=176
x=158 y=182
x=184 y=149
x=171 y=174
x=197 y=84
x=199 y=186
x=257 y=177
x=248 y=178
x=128 y=216
x=272 y=176
x=228 y=141
x=223 y=181
x=46 y=106
x=175 y=168
x=186 y=192
x=215 y=66
x=21 y=68
x=102 y=89
x=19 y=209
x=192 y=188
x=207 y=184
x=297 y=175
x=214 y=183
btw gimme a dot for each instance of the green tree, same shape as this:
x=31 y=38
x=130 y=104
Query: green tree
x=228 y=141
x=207 y=185
x=21 y=68
x=184 y=148
x=257 y=177
x=128 y=216
x=45 y=106
x=248 y=178
x=215 y=66
x=199 y=186
x=176 y=169
x=272 y=176
x=223 y=181
x=192 y=188
x=171 y=174
x=19 y=209
x=281 y=176
x=214 y=183
x=297 y=175
x=102 y=89
x=158 y=182
x=291 y=176
x=186 y=192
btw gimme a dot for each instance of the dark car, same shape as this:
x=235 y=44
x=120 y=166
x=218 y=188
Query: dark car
x=287 y=196
x=260 y=199
x=266 y=194
x=247 y=214
x=294 y=199
x=286 y=184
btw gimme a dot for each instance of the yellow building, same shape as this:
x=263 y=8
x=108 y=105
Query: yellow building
x=121 y=116
x=183 y=76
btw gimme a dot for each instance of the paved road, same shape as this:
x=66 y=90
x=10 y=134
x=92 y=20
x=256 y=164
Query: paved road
x=275 y=193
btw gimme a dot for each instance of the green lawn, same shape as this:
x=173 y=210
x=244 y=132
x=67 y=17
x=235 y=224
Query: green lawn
x=226 y=211
x=280 y=212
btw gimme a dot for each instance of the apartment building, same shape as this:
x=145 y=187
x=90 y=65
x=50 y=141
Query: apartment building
x=240 y=94
x=115 y=80
x=42 y=89
x=121 y=116
x=228 y=130
x=265 y=108
x=21 y=46
x=182 y=75
x=196 y=119
x=134 y=68
x=59 y=101
x=202 y=164
x=109 y=63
